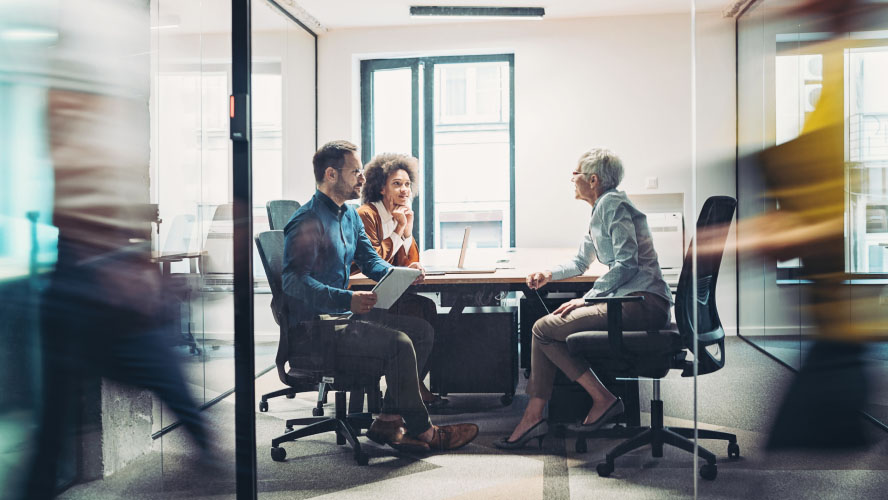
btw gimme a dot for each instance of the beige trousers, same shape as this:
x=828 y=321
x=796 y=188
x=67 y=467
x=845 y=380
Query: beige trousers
x=549 y=348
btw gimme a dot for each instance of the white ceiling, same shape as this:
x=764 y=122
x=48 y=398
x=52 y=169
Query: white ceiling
x=338 y=14
x=214 y=16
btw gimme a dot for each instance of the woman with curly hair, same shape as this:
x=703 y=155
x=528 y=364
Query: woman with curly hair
x=388 y=222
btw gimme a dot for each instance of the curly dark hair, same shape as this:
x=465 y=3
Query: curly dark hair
x=380 y=168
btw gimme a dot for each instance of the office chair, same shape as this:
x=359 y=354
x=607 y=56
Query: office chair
x=309 y=352
x=276 y=310
x=217 y=261
x=653 y=354
x=279 y=212
x=182 y=285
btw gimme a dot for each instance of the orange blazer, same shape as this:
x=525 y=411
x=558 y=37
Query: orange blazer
x=373 y=227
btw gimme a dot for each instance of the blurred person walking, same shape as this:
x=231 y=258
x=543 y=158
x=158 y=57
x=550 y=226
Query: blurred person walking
x=102 y=311
x=805 y=177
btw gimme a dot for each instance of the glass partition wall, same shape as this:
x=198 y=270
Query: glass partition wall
x=781 y=66
x=191 y=182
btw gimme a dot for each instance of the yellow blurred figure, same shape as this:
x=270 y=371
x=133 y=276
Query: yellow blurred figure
x=806 y=178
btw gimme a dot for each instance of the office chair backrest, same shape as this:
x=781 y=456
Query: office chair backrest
x=218 y=246
x=179 y=236
x=270 y=245
x=712 y=230
x=279 y=212
x=271 y=252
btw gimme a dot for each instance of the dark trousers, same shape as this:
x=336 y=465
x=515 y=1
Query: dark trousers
x=85 y=337
x=417 y=306
x=380 y=343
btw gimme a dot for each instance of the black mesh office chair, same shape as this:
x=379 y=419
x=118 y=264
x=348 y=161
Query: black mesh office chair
x=273 y=270
x=279 y=212
x=653 y=354
x=305 y=361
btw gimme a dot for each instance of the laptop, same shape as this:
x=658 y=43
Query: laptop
x=460 y=268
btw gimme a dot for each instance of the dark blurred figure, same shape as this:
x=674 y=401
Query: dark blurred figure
x=102 y=312
x=806 y=177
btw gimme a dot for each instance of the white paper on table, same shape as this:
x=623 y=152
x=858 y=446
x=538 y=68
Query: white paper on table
x=392 y=285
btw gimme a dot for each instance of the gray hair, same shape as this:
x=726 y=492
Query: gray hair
x=605 y=165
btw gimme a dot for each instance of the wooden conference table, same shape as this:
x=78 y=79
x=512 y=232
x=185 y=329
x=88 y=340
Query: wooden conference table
x=512 y=267
x=476 y=290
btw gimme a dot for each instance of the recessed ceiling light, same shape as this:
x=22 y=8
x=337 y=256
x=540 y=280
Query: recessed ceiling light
x=29 y=35
x=485 y=12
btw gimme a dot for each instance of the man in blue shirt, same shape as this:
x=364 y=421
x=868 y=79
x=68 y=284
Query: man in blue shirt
x=323 y=238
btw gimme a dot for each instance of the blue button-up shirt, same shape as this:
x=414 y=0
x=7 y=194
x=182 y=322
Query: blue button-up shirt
x=620 y=238
x=322 y=240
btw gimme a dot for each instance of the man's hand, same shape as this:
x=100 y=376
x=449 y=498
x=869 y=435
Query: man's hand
x=538 y=279
x=569 y=306
x=363 y=302
x=421 y=277
x=398 y=213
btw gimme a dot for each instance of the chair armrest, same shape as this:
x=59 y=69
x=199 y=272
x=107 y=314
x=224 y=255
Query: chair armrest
x=609 y=300
x=614 y=319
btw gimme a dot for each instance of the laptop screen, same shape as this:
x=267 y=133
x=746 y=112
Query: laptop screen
x=465 y=245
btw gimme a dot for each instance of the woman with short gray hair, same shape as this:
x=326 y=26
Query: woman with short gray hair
x=620 y=238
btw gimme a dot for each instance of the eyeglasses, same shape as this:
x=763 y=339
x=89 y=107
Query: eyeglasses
x=358 y=172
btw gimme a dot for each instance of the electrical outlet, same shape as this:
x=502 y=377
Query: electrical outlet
x=651 y=182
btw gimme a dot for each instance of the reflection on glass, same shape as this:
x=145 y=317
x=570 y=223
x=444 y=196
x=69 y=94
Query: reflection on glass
x=782 y=66
x=867 y=102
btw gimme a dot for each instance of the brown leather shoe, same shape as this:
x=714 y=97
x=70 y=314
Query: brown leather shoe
x=451 y=437
x=395 y=435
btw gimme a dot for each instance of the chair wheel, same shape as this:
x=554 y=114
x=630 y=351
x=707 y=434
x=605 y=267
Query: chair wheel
x=604 y=469
x=362 y=458
x=580 y=445
x=709 y=471
x=291 y=395
x=278 y=454
x=527 y=373
x=263 y=406
x=506 y=399
x=733 y=451
x=317 y=412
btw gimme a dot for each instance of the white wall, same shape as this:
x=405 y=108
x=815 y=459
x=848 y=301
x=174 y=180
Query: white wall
x=619 y=82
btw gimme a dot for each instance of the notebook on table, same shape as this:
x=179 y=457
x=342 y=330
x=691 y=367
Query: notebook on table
x=460 y=268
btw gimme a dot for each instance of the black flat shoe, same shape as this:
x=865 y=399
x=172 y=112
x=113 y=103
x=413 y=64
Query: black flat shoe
x=538 y=431
x=615 y=409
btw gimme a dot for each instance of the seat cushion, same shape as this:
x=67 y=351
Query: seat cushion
x=648 y=354
x=595 y=344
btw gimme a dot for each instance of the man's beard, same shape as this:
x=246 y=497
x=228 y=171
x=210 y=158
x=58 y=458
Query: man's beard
x=348 y=194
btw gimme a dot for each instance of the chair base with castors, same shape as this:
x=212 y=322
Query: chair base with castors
x=347 y=428
x=290 y=393
x=618 y=431
x=657 y=435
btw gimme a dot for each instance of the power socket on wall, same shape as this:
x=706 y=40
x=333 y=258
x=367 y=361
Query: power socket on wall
x=651 y=182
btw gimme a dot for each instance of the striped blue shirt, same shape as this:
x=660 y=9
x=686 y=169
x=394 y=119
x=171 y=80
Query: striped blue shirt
x=619 y=237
